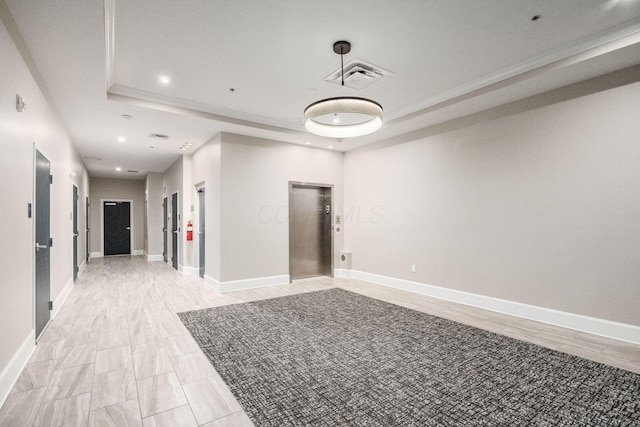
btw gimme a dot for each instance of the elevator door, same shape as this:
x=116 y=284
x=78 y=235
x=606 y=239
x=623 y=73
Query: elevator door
x=309 y=231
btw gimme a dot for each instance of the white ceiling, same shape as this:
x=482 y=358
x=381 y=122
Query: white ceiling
x=102 y=60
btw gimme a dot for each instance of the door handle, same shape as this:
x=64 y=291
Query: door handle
x=175 y=231
x=127 y=228
x=200 y=233
x=75 y=234
x=39 y=246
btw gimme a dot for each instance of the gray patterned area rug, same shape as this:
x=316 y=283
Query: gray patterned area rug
x=333 y=357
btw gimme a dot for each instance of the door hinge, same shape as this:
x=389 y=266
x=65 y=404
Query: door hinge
x=50 y=305
x=50 y=242
x=50 y=179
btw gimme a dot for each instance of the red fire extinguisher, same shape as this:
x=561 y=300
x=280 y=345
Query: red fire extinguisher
x=189 y=231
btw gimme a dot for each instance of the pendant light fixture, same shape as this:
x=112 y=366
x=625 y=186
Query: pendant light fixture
x=343 y=117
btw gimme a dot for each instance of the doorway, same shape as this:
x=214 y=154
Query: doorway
x=86 y=240
x=75 y=233
x=174 y=230
x=42 y=242
x=201 y=232
x=117 y=227
x=310 y=236
x=164 y=229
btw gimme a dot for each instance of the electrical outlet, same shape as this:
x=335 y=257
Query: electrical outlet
x=413 y=268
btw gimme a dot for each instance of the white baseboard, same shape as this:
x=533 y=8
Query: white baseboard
x=341 y=272
x=187 y=270
x=11 y=372
x=153 y=258
x=238 y=285
x=578 y=322
x=137 y=252
x=57 y=303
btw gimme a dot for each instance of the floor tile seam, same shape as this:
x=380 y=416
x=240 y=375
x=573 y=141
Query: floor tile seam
x=71 y=395
x=171 y=409
x=37 y=411
x=193 y=413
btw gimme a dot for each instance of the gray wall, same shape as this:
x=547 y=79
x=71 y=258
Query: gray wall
x=38 y=125
x=153 y=197
x=173 y=182
x=254 y=200
x=205 y=170
x=536 y=202
x=247 y=198
x=117 y=189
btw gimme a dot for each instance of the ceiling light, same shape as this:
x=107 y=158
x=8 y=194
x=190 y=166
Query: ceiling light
x=307 y=143
x=118 y=169
x=164 y=80
x=121 y=139
x=126 y=116
x=343 y=117
x=331 y=146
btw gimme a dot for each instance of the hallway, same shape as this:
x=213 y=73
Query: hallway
x=117 y=354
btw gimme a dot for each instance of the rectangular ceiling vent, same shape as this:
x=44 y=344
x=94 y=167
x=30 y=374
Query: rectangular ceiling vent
x=132 y=171
x=358 y=75
x=159 y=135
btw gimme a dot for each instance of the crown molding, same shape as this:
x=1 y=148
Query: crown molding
x=604 y=42
x=618 y=37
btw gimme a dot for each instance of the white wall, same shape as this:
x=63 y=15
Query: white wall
x=255 y=175
x=38 y=125
x=539 y=207
x=103 y=189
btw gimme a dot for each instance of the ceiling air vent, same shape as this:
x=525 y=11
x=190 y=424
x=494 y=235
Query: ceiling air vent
x=358 y=75
x=158 y=135
x=131 y=171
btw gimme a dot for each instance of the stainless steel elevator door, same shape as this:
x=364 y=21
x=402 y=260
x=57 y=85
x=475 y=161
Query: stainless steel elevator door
x=310 y=232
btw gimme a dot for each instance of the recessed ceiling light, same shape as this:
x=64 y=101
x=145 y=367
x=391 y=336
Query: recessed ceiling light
x=536 y=17
x=307 y=143
x=121 y=139
x=183 y=148
x=126 y=116
x=331 y=146
x=118 y=169
x=164 y=79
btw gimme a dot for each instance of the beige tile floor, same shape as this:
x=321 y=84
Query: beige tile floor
x=118 y=355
